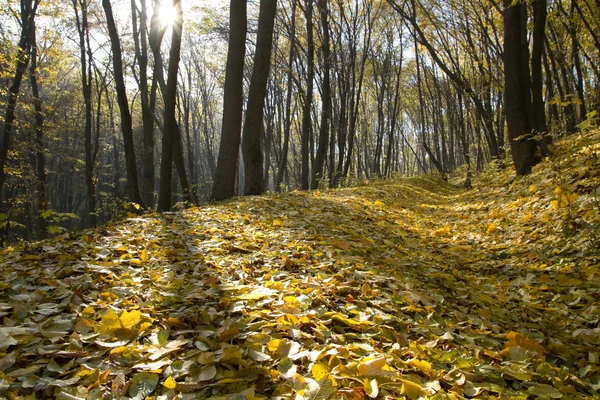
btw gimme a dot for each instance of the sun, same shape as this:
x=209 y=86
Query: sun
x=167 y=13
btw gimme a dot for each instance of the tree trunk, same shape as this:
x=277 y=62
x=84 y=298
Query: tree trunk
x=317 y=174
x=251 y=145
x=537 y=82
x=170 y=97
x=28 y=11
x=227 y=163
x=288 y=103
x=306 y=117
x=39 y=139
x=516 y=87
x=141 y=52
x=126 y=125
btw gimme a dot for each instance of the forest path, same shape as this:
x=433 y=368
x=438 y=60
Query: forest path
x=406 y=287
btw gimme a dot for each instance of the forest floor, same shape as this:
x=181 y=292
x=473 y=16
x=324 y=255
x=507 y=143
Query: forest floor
x=408 y=287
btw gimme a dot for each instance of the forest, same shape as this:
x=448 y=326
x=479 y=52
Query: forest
x=299 y=199
x=109 y=108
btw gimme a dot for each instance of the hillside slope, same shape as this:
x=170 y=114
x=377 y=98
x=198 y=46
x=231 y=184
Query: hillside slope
x=409 y=287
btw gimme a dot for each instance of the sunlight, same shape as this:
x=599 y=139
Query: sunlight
x=167 y=13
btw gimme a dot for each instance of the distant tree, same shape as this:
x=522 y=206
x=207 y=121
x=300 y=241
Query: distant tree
x=227 y=163
x=251 y=145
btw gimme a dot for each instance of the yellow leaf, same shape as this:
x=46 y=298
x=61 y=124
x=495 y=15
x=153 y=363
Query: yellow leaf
x=109 y=323
x=491 y=228
x=378 y=203
x=445 y=231
x=129 y=320
x=135 y=261
x=320 y=371
x=292 y=301
x=170 y=383
x=567 y=199
x=273 y=345
x=371 y=388
x=421 y=365
x=366 y=290
x=412 y=390
x=532 y=188
x=144 y=256
x=518 y=339
x=373 y=367
x=554 y=204
x=277 y=222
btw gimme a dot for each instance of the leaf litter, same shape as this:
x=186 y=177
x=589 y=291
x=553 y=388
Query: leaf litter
x=406 y=288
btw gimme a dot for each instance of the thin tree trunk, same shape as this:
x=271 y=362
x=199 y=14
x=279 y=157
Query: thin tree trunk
x=170 y=96
x=288 y=102
x=251 y=146
x=306 y=117
x=126 y=124
x=227 y=163
x=39 y=139
x=326 y=112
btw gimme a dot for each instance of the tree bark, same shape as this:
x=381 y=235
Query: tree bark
x=288 y=103
x=517 y=87
x=170 y=97
x=28 y=11
x=141 y=53
x=318 y=167
x=39 y=139
x=126 y=124
x=227 y=163
x=251 y=145
x=306 y=117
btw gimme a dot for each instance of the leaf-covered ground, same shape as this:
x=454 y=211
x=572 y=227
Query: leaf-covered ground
x=407 y=288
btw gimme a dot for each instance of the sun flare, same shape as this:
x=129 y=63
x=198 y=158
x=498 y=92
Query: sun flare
x=167 y=13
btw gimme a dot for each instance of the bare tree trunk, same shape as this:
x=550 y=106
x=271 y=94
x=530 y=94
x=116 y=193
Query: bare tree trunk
x=141 y=52
x=39 y=138
x=326 y=112
x=126 y=125
x=251 y=146
x=288 y=103
x=517 y=87
x=227 y=163
x=306 y=117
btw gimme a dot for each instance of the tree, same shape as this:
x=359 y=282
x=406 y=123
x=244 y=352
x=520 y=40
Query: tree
x=141 y=54
x=126 y=124
x=288 y=102
x=27 y=21
x=227 y=162
x=306 y=117
x=517 y=87
x=251 y=145
x=80 y=8
x=170 y=96
x=324 y=128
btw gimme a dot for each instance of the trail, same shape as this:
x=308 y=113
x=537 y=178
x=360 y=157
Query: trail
x=408 y=287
